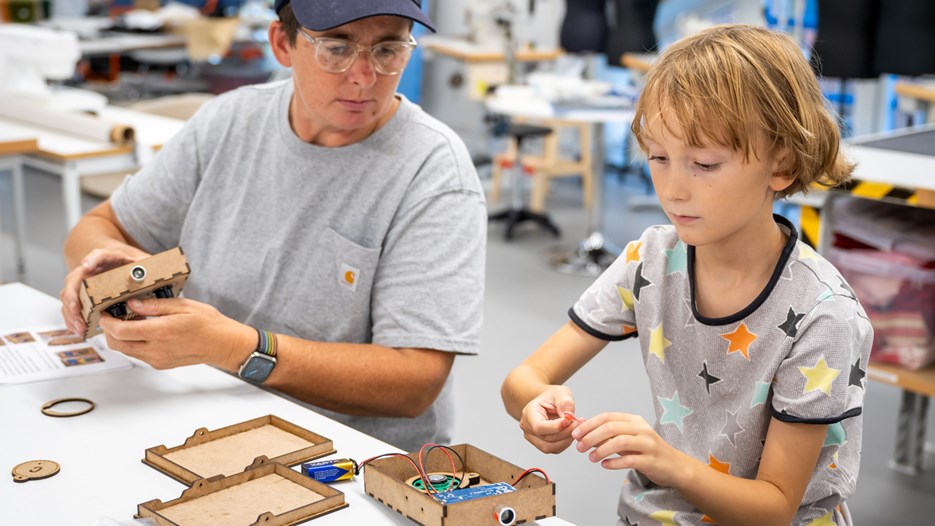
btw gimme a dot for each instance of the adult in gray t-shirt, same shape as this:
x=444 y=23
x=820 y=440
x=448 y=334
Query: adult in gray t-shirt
x=326 y=210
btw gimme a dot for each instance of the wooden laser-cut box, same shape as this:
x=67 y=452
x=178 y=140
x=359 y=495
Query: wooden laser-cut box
x=268 y=494
x=386 y=480
x=229 y=450
x=161 y=275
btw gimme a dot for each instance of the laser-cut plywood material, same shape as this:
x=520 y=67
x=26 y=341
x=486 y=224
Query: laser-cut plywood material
x=268 y=493
x=386 y=480
x=229 y=450
x=100 y=292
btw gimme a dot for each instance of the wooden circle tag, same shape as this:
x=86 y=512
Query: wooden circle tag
x=35 y=469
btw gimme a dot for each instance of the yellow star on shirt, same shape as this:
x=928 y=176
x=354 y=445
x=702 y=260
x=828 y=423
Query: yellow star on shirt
x=824 y=520
x=807 y=252
x=633 y=251
x=667 y=518
x=740 y=340
x=658 y=343
x=820 y=377
x=627 y=296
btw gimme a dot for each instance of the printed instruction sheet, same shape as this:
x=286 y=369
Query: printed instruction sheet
x=44 y=353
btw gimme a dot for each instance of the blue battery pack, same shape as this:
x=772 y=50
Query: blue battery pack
x=476 y=492
x=330 y=470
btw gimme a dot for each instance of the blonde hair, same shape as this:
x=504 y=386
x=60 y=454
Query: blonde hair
x=735 y=85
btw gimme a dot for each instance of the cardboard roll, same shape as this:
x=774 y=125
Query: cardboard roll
x=442 y=481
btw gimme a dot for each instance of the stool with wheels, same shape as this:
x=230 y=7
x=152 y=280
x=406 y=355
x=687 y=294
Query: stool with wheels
x=518 y=212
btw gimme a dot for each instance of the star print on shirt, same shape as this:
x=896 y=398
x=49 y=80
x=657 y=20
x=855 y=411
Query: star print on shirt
x=857 y=375
x=639 y=282
x=824 y=520
x=807 y=252
x=731 y=428
x=708 y=377
x=789 y=326
x=835 y=436
x=677 y=258
x=673 y=412
x=847 y=288
x=760 y=394
x=626 y=297
x=820 y=377
x=640 y=496
x=658 y=343
x=665 y=517
x=717 y=465
x=633 y=251
x=740 y=340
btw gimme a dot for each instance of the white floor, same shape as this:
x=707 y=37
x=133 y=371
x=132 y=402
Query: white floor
x=525 y=302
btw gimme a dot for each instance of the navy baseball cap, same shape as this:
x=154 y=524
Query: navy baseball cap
x=322 y=15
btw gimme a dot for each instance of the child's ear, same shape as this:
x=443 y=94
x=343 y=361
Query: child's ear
x=781 y=170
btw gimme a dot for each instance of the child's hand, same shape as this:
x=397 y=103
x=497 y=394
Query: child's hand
x=635 y=441
x=544 y=421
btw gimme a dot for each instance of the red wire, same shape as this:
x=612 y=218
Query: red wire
x=431 y=446
x=413 y=462
x=528 y=471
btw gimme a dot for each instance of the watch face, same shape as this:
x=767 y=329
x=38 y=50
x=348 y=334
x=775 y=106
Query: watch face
x=258 y=368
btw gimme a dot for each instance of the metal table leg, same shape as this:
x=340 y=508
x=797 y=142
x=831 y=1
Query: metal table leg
x=19 y=216
x=909 y=453
x=594 y=253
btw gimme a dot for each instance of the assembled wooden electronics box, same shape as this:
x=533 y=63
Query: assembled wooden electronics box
x=162 y=276
x=496 y=500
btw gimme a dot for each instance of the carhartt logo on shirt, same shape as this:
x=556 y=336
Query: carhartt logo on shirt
x=349 y=276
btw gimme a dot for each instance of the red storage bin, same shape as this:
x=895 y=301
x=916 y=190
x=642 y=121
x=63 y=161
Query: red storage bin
x=896 y=288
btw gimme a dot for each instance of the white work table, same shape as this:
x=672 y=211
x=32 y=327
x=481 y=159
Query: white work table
x=72 y=157
x=14 y=143
x=100 y=452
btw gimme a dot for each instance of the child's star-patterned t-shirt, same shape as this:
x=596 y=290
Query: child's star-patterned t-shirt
x=797 y=353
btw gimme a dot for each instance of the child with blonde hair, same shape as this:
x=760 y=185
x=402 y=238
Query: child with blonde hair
x=755 y=346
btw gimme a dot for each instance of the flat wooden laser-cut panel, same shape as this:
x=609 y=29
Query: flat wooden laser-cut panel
x=269 y=494
x=231 y=449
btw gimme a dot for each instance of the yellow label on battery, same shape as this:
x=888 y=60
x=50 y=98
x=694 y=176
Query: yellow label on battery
x=330 y=470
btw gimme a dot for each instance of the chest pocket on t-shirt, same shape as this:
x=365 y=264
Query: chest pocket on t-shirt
x=332 y=302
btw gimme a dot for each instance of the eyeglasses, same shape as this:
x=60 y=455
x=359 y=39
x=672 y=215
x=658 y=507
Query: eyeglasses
x=337 y=55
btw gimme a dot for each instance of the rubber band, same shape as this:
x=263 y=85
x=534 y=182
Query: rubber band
x=47 y=407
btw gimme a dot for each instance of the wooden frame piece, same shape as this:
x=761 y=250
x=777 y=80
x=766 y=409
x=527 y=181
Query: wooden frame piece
x=267 y=493
x=229 y=450
x=165 y=271
x=386 y=479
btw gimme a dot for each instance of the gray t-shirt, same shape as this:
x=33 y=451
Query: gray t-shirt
x=381 y=241
x=797 y=353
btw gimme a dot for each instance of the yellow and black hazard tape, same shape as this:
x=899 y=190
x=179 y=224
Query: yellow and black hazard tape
x=881 y=191
x=811 y=216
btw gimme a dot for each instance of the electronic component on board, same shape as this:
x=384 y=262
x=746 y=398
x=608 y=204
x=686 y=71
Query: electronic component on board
x=461 y=495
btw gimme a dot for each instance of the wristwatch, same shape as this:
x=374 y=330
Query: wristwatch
x=258 y=366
